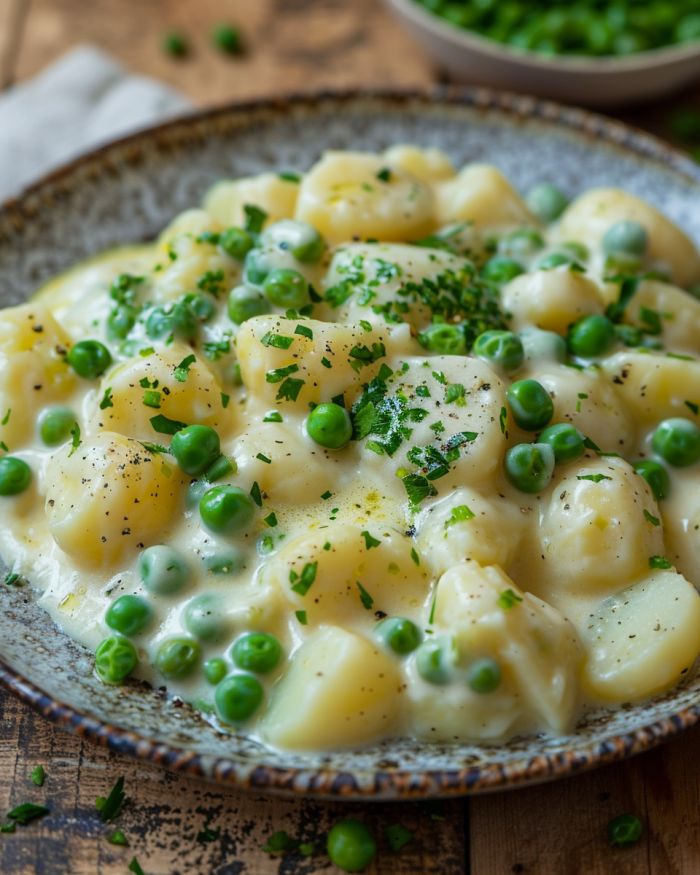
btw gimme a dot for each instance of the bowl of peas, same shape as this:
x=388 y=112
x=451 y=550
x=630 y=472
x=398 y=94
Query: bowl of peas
x=592 y=52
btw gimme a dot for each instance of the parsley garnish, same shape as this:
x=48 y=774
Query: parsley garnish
x=255 y=494
x=301 y=617
x=326 y=495
x=384 y=175
x=107 y=399
x=263 y=458
x=326 y=363
x=454 y=394
x=6 y=417
x=280 y=341
x=650 y=518
x=276 y=375
x=289 y=389
x=280 y=843
x=271 y=520
x=135 y=867
x=154 y=448
x=254 y=218
x=365 y=597
x=37 y=776
x=417 y=488
x=304 y=331
x=214 y=349
x=397 y=836
x=211 y=282
x=152 y=398
x=273 y=416
x=163 y=425
x=508 y=599
x=117 y=838
x=502 y=420
x=208 y=835
x=302 y=583
x=692 y=407
x=290 y=176
x=459 y=514
x=75 y=438
x=225 y=399
x=27 y=812
x=628 y=289
x=659 y=562
x=363 y=355
x=414 y=556
x=370 y=541
x=111 y=807
x=182 y=370
x=594 y=478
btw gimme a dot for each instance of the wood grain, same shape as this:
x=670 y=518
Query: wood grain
x=293 y=45
x=165 y=813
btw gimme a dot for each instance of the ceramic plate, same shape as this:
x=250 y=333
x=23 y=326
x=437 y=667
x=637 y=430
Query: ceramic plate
x=127 y=192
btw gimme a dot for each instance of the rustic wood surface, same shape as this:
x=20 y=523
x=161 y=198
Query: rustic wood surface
x=555 y=829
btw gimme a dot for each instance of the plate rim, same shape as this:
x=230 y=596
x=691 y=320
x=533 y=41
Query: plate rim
x=361 y=783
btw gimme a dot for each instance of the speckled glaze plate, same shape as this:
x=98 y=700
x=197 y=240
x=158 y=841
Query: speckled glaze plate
x=127 y=192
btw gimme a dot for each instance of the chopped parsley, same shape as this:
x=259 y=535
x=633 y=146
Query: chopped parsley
x=211 y=282
x=502 y=420
x=459 y=514
x=111 y=806
x=152 y=398
x=370 y=541
x=397 y=836
x=454 y=394
x=326 y=495
x=263 y=458
x=417 y=488
x=225 y=400
x=659 y=562
x=304 y=331
x=594 y=478
x=27 y=812
x=289 y=176
x=650 y=518
x=365 y=597
x=692 y=407
x=289 y=389
x=414 y=556
x=181 y=372
x=280 y=843
x=163 y=425
x=107 y=399
x=363 y=355
x=302 y=583
x=276 y=375
x=508 y=599
x=215 y=349
x=208 y=835
x=254 y=218
x=117 y=838
x=271 y=520
x=75 y=438
x=280 y=341
x=6 y=417
x=256 y=494
x=273 y=416
x=384 y=175
x=135 y=867
x=37 y=776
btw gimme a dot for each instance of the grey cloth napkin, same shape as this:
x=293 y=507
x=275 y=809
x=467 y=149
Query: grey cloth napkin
x=83 y=99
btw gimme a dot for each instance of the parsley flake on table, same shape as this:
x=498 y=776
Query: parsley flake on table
x=38 y=776
x=111 y=806
x=27 y=812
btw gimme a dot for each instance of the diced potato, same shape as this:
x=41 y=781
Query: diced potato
x=339 y=691
x=344 y=197
x=591 y=215
x=385 y=279
x=550 y=299
x=597 y=528
x=197 y=399
x=33 y=370
x=482 y=195
x=536 y=646
x=678 y=312
x=643 y=639
x=428 y=165
x=351 y=576
x=654 y=386
x=331 y=342
x=469 y=525
x=588 y=401
x=681 y=518
x=268 y=191
x=108 y=498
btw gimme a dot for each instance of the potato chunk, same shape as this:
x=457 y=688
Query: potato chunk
x=225 y=201
x=109 y=498
x=551 y=299
x=481 y=194
x=643 y=639
x=339 y=691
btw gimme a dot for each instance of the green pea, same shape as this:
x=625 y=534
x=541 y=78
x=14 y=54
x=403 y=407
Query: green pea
x=257 y=651
x=625 y=237
x=565 y=440
x=677 y=441
x=237 y=698
x=629 y=335
x=547 y=202
x=227 y=562
x=89 y=358
x=555 y=259
x=163 y=570
x=55 y=425
x=200 y=306
x=244 y=302
x=203 y=617
x=195 y=448
x=530 y=404
x=529 y=467
x=329 y=425
x=15 y=475
x=115 y=659
x=220 y=468
x=236 y=242
x=257 y=266
x=656 y=476
x=520 y=243
x=215 y=670
x=578 y=251
x=399 y=634
x=624 y=830
x=120 y=322
x=434 y=661
x=443 y=339
x=500 y=348
x=351 y=845
x=501 y=270
x=129 y=614
x=591 y=337
x=484 y=675
x=299 y=238
x=286 y=288
x=177 y=657
x=227 y=39
x=226 y=509
x=541 y=345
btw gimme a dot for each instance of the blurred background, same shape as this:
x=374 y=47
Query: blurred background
x=213 y=51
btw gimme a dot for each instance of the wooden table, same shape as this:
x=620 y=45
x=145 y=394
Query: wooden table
x=556 y=829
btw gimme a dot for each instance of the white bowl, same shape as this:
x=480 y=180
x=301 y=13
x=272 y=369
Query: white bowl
x=598 y=82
